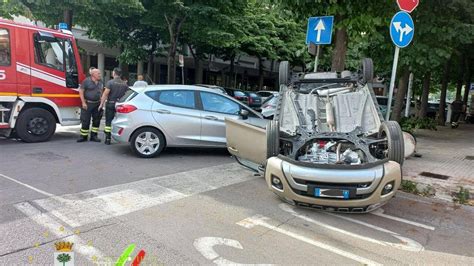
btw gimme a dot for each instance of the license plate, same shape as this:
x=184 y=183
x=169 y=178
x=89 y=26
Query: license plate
x=332 y=193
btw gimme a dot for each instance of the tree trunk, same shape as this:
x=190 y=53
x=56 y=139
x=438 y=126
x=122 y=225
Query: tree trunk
x=444 y=89
x=123 y=65
x=198 y=70
x=460 y=80
x=424 y=95
x=339 y=54
x=149 y=69
x=174 y=29
x=68 y=14
x=260 y=73
x=467 y=82
x=401 y=92
x=232 y=72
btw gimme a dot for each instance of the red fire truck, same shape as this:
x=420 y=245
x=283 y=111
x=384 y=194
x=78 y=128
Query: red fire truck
x=40 y=73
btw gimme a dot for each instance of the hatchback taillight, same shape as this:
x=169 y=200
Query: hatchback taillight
x=125 y=108
x=250 y=100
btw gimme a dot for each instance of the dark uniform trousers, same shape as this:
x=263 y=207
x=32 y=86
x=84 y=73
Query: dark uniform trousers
x=93 y=112
x=109 y=116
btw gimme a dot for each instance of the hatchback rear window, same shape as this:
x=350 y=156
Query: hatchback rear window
x=239 y=93
x=128 y=96
x=254 y=95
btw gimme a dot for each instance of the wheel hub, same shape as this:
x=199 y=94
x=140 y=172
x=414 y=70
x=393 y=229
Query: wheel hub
x=38 y=126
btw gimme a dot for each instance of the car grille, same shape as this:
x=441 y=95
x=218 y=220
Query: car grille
x=333 y=209
x=329 y=185
x=347 y=185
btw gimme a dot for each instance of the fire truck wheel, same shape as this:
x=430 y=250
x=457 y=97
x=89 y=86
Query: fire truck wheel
x=35 y=125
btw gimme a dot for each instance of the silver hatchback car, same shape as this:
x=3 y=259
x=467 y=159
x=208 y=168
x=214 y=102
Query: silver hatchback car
x=154 y=117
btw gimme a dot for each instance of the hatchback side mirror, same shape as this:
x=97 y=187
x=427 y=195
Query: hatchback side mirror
x=244 y=114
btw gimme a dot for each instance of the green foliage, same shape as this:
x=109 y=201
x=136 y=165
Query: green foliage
x=463 y=196
x=409 y=186
x=411 y=124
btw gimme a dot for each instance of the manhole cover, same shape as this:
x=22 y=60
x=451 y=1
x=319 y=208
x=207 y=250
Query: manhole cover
x=471 y=158
x=433 y=175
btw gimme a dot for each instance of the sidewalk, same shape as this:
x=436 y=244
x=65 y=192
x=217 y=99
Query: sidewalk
x=448 y=152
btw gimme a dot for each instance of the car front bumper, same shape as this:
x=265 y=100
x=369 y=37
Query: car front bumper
x=367 y=183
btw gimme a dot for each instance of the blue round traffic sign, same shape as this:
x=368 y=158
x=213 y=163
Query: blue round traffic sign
x=402 y=29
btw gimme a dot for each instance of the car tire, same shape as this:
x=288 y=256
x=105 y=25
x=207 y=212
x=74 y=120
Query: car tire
x=396 y=146
x=284 y=73
x=273 y=139
x=147 y=142
x=35 y=125
x=367 y=70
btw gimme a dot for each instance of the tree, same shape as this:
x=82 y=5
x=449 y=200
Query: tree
x=63 y=258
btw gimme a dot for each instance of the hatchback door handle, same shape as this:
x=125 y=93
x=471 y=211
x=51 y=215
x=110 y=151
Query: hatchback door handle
x=210 y=117
x=162 y=111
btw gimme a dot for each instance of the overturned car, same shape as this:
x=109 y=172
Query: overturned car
x=328 y=146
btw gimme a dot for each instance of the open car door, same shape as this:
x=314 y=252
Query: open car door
x=247 y=143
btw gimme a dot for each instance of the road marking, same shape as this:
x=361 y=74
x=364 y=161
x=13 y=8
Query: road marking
x=108 y=202
x=380 y=212
x=408 y=244
x=262 y=221
x=28 y=186
x=205 y=246
x=48 y=222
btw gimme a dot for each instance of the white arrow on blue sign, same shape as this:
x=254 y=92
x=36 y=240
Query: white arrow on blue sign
x=402 y=29
x=319 y=30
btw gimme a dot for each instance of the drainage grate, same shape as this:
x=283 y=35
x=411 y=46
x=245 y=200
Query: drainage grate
x=433 y=175
x=471 y=158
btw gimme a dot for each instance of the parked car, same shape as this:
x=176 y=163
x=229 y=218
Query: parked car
x=328 y=146
x=255 y=101
x=215 y=87
x=269 y=106
x=238 y=95
x=159 y=116
x=266 y=94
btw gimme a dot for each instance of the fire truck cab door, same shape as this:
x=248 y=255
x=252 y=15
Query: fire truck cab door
x=8 y=79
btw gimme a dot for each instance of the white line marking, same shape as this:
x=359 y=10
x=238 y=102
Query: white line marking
x=380 y=212
x=408 y=244
x=28 y=186
x=46 y=221
x=205 y=246
x=261 y=220
x=105 y=203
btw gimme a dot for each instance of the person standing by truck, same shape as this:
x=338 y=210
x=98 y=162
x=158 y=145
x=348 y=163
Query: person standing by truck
x=114 y=90
x=456 y=108
x=90 y=93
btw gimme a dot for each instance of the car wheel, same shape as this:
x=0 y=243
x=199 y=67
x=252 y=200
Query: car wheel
x=273 y=139
x=367 y=70
x=35 y=125
x=284 y=73
x=395 y=142
x=147 y=142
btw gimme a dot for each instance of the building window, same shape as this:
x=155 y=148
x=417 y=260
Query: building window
x=5 y=59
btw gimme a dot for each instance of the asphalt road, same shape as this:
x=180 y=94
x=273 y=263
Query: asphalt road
x=196 y=206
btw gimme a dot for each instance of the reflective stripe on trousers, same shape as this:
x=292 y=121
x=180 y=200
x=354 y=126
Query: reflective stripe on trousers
x=84 y=132
x=107 y=129
x=95 y=130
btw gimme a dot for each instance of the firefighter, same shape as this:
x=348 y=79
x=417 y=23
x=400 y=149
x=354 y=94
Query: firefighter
x=114 y=90
x=90 y=92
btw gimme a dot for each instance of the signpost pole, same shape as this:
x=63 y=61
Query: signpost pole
x=316 y=60
x=392 y=82
x=410 y=86
x=182 y=75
